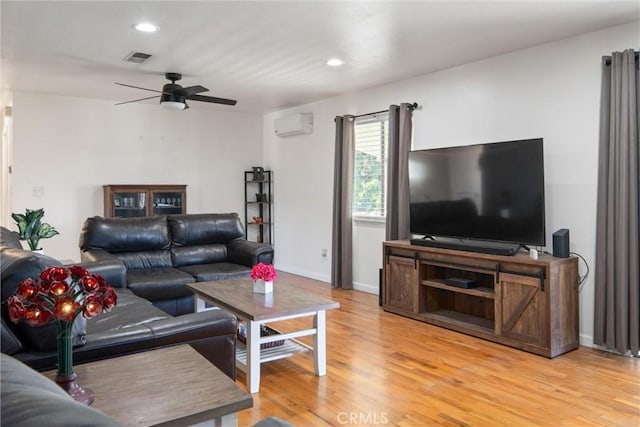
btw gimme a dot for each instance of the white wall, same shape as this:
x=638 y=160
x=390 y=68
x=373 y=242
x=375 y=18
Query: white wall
x=73 y=146
x=550 y=91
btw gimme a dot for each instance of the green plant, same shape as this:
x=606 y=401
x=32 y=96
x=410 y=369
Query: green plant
x=32 y=229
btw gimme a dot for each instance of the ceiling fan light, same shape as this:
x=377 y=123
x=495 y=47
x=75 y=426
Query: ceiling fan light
x=173 y=105
x=172 y=101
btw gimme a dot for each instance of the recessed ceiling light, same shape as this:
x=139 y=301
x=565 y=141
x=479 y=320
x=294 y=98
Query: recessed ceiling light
x=335 y=62
x=146 y=27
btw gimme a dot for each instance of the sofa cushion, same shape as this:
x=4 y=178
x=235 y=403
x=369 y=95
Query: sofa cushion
x=199 y=254
x=135 y=325
x=125 y=234
x=145 y=259
x=216 y=271
x=18 y=265
x=129 y=314
x=159 y=283
x=31 y=399
x=202 y=229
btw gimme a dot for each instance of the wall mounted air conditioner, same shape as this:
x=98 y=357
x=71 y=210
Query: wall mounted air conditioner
x=293 y=125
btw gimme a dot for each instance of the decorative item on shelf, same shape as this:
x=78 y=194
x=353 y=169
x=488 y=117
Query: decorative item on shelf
x=257 y=219
x=261 y=197
x=263 y=276
x=60 y=295
x=258 y=173
x=265 y=331
x=32 y=229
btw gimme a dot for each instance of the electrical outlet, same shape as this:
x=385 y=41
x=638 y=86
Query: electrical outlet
x=324 y=253
x=37 y=191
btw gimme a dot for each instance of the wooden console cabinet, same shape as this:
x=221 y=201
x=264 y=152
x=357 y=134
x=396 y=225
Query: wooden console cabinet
x=515 y=300
x=126 y=201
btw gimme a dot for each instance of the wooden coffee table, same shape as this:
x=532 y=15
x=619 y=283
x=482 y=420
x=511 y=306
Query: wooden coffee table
x=286 y=302
x=174 y=386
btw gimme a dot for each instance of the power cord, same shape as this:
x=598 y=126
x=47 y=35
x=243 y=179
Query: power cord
x=582 y=279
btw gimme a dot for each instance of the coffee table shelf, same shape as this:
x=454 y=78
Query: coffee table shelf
x=288 y=349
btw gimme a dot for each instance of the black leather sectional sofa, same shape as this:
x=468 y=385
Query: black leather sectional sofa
x=162 y=254
x=134 y=325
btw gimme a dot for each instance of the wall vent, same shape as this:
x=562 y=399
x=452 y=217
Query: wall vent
x=137 y=57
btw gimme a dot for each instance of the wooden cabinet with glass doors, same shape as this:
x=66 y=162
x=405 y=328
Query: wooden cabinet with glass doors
x=128 y=201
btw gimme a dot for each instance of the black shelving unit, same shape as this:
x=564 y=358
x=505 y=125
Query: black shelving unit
x=258 y=203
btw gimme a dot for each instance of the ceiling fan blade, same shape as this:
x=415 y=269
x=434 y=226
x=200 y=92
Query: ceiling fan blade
x=191 y=90
x=212 y=99
x=138 y=87
x=136 y=100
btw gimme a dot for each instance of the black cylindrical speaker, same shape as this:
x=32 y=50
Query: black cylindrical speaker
x=561 y=243
x=380 y=287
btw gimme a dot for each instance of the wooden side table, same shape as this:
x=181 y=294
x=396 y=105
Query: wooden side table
x=174 y=386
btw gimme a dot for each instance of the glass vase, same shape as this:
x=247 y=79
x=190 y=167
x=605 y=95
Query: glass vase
x=262 y=287
x=65 y=376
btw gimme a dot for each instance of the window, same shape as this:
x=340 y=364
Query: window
x=370 y=166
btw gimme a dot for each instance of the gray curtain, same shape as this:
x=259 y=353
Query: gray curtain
x=400 y=128
x=341 y=260
x=617 y=281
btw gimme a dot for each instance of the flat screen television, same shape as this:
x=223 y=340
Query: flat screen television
x=484 y=197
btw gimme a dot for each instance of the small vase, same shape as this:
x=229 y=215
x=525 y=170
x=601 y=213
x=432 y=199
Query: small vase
x=65 y=376
x=262 y=287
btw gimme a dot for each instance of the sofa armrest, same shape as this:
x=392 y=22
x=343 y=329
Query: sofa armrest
x=248 y=253
x=9 y=238
x=99 y=261
x=114 y=273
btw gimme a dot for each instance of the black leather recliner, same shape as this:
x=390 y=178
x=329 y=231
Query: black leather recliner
x=132 y=326
x=163 y=254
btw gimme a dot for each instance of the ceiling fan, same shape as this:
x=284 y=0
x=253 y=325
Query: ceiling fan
x=175 y=97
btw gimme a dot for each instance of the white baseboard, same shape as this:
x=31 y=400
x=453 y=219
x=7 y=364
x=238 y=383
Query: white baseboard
x=304 y=273
x=365 y=287
x=586 y=340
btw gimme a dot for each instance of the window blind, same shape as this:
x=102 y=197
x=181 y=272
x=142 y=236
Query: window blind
x=370 y=166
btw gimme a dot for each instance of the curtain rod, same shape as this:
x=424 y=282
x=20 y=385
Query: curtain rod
x=412 y=106
x=607 y=59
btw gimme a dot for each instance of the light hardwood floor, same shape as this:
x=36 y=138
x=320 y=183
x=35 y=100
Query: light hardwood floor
x=383 y=369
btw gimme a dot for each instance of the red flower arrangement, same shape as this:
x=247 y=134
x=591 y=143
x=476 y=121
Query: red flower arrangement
x=265 y=272
x=62 y=294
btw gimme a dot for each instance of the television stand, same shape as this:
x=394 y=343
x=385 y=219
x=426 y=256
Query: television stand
x=530 y=304
x=481 y=246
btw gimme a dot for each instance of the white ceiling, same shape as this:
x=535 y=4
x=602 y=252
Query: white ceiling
x=271 y=55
